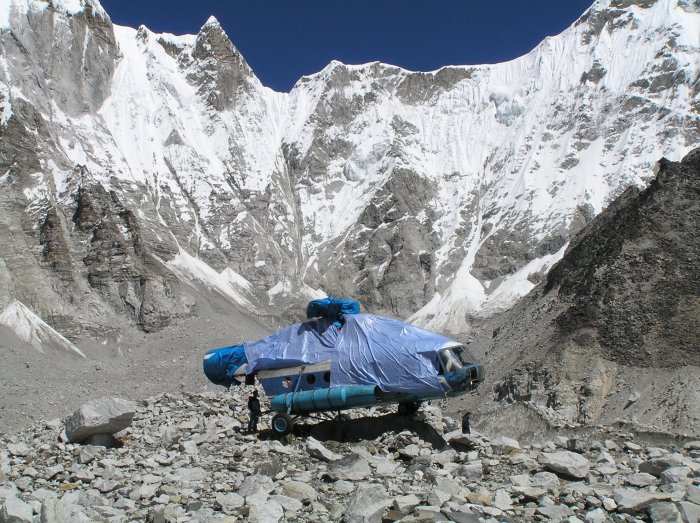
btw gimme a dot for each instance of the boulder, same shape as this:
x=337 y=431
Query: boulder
x=406 y=504
x=267 y=512
x=287 y=503
x=595 y=516
x=316 y=449
x=229 y=501
x=100 y=416
x=565 y=462
x=641 y=479
x=14 y=510
x=367 y=504
x=664 y=512
x=256 y=484
x=351 y=467
x=675 y=474
x=506 y=444
x=545 y=480
x=656 y=466
x=555 y=512
x=633 y=500
x=472 y=471
x=689 y=511
x=299 y=490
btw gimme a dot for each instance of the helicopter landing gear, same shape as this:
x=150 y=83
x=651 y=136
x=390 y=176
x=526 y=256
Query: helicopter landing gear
x=282 y=424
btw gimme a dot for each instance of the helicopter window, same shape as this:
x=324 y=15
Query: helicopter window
x=327 y=377
x=463 y=355
x=310 y=379
x=449 y=360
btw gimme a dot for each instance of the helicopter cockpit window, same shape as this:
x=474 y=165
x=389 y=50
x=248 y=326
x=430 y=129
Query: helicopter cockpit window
x=463 y=355
x=449 y=360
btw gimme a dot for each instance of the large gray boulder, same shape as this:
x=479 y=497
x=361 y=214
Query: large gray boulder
x=633 y=500
x=15 y=510
x=565 y=462
x=368 y=504
x=100 y=416
x=351 y=467
x=316 y=449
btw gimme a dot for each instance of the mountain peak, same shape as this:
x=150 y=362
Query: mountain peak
x=211 y=21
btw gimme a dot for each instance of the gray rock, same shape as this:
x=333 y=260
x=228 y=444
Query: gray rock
x=190 y=474
x=189 y=447
x=268 y=512
x=287 y=503
x=146 y=491
x=633 y=500
x=14 y=510
x=472 y=471
x=351 y=467
x=595 y=516
x=100 y=416
x=54 y=510
x=609 y=504
x=555 y=512
x=255 y=484
x=18 y=449
x=656 y=466
x=88 y=453
x=693 y=494
x=406 y=504
x=689 y=511
x=641 y=479
x=299 y=490
x=6 y=491
x=229 y=501
x=675 y=474
x=565 y=462
x=545 y=480
x=316 y=449
x=692 y=445
x=664 y=512
x=438 y=497
x=531 y=493
x=506 y=444
x=368 y=504
x=502 y=500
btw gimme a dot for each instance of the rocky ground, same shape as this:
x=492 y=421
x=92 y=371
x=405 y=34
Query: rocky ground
x=187 y=458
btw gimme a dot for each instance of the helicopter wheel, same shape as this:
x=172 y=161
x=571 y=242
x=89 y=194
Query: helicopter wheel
x=408 y=408
x=282 y=424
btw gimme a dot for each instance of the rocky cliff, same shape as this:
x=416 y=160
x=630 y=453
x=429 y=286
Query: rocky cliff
x=612 y=333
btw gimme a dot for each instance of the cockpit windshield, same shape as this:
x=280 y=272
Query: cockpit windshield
x=449 y=360
x=454 y=358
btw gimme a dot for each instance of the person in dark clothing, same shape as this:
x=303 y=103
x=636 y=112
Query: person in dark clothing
x=254 y=408
x=466 y=429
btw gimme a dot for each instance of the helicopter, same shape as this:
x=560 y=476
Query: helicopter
x=343 y=359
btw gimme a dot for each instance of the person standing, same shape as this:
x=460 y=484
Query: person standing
x=466 y=429
x=254 y=408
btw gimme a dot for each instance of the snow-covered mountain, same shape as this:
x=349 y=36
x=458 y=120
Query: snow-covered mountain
x=140 y=170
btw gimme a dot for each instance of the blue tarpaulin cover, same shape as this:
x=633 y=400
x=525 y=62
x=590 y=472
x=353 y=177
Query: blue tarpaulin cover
x=332 y=309
x=394 y=355
x=221 y=364
x=366 y=350
x=299 y=344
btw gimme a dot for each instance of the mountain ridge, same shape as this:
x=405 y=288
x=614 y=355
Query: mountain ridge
x=441 y=196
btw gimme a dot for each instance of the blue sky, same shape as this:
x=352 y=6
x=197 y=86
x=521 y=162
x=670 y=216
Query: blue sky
x=283 y=40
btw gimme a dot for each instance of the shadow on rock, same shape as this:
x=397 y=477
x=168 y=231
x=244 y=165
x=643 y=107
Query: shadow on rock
x=370 y=428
